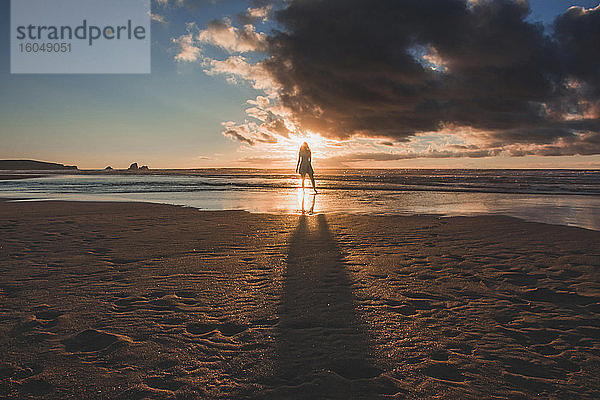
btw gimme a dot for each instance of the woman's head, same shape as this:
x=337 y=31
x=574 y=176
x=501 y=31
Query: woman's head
x=304 y=146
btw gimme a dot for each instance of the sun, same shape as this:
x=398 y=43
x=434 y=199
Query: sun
x=314 y=140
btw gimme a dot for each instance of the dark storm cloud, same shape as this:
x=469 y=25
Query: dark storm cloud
x=365 y=67
x=578 y=33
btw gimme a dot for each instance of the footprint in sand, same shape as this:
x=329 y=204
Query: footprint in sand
x=231 y=329
x=443 y=371
x=558 y=297
x=18 y=373
x=186 y=294
x=9 y=290
x=355 y=369
x=7 y=371
x=92 y=340
x=166 y=364
x=530 y=369
x=198 y=328
x=128 y=304
x=163 y=383
x=162 y=304
x=48 y=317
x=157 y=294
x=406 y=310
x=439 y=355
x=37 y=387
x=460 y=348
x=187 y=297
x=226 y=329
x=525 y=382
x=48 y=314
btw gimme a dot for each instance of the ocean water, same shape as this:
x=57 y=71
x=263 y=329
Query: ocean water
x=565 y=197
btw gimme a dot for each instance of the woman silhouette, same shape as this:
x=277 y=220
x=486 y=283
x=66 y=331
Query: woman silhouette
x=304 y=166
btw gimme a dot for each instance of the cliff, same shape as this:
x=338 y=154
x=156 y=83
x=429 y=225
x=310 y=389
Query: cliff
x=32 y=165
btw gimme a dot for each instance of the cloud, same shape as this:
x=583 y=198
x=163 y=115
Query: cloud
x=158 y=18
x=235 y=68
x=396 y=69
x=262 y=160
x=268 y=131
x=188 y=50
x=379 y=156
x=578 y=32
x=238 y=67
x=411 y=79
x=194 y=5
x=222 y=34
x=241 y=133
x=583 y=144
x=256 y=14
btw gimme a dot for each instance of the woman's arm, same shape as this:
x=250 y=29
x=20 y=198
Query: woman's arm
x=298 y=163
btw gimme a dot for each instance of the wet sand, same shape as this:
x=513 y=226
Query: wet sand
x=135 y=300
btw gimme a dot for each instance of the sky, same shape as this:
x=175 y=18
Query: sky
x=369 y=84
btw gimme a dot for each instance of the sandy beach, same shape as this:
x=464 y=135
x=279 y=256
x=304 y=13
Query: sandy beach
x=137 y=300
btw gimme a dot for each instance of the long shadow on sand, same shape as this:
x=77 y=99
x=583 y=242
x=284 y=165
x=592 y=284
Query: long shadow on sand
x=322 y=349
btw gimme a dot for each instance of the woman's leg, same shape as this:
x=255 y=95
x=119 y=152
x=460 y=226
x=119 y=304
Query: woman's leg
x=312 y=179
x=303 y=178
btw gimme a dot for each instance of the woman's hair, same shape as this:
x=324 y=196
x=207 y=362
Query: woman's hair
x=305 y=146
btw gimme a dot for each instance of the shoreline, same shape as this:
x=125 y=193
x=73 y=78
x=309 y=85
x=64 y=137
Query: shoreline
x=131 y=300
x=298 y=212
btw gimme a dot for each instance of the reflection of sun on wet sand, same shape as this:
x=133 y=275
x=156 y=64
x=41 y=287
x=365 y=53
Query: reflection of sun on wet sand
x=132 y=300
x=306 y=201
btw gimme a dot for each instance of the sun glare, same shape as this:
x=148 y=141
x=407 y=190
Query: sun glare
x=314 y=140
